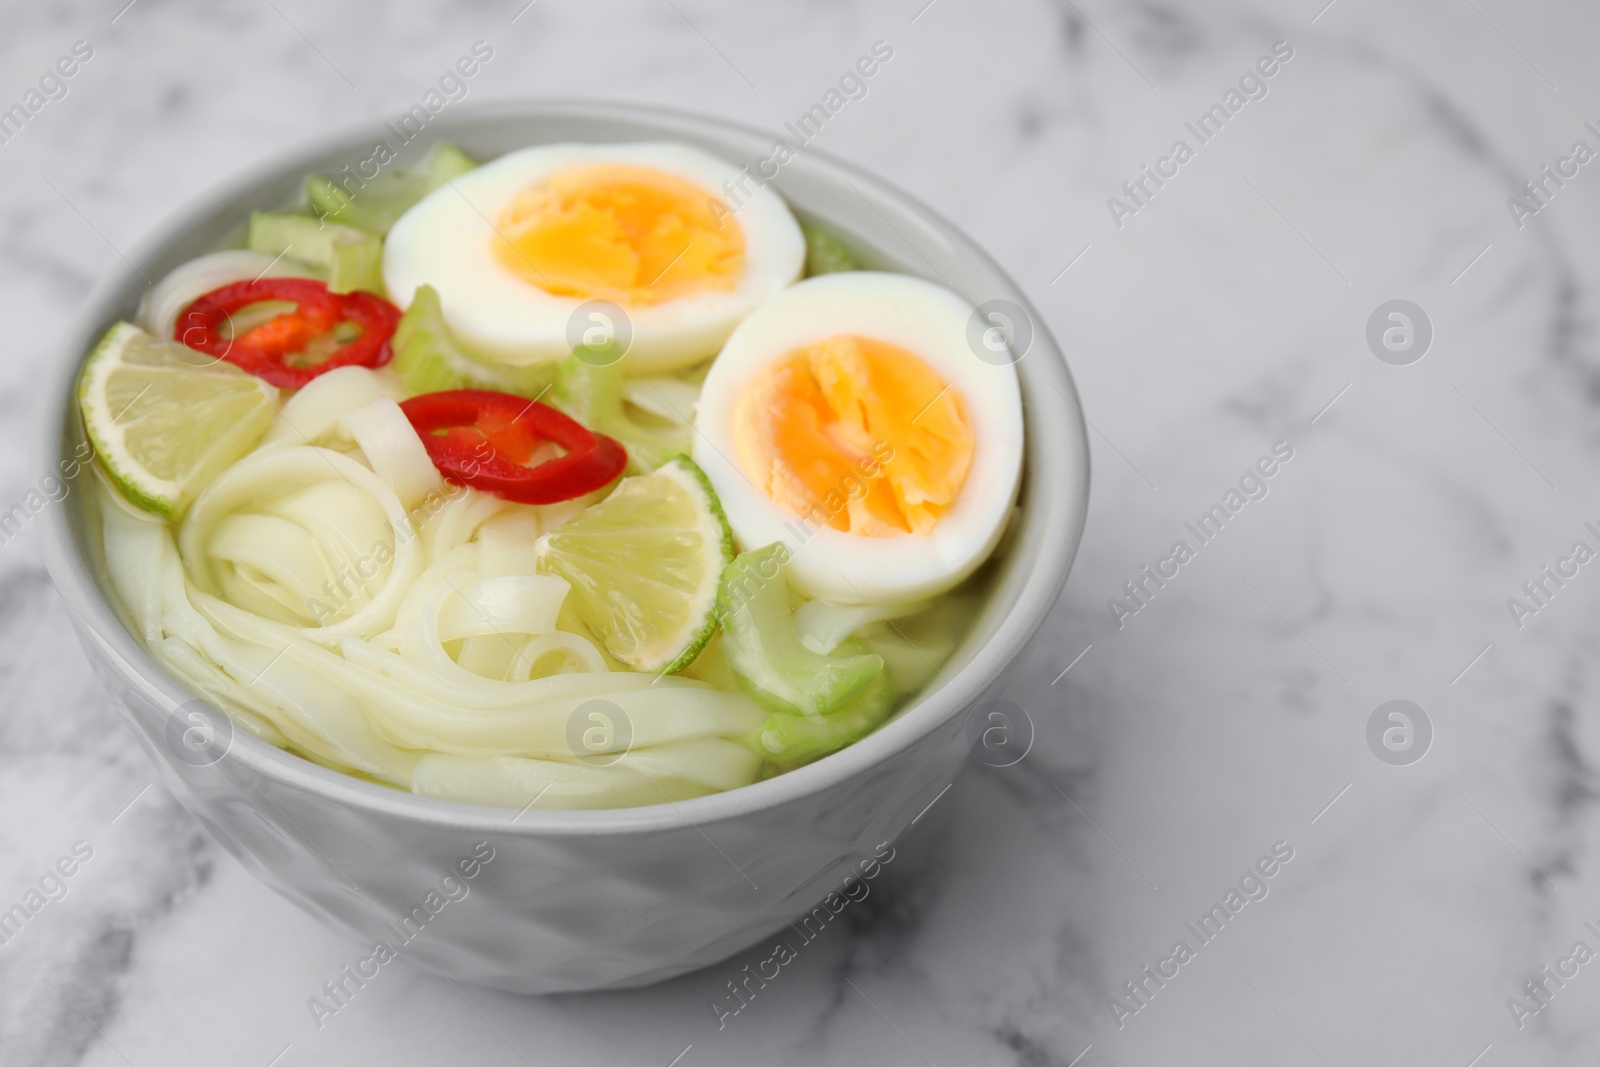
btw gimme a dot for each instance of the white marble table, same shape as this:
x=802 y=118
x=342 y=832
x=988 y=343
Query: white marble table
x=1226 y=313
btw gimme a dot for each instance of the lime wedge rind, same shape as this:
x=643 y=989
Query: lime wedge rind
x=162 y=426
x=652 y=600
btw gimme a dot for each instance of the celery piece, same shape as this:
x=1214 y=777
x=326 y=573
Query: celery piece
x=375 y=204
x=357 y=264
x=348 y=258
x=593 y=395
x=429 y=359
x=826 y=254
x=761 y=646
x=787 y=740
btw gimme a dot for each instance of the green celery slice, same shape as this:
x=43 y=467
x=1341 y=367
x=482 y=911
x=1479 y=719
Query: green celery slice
x=375 y=204
x=593 y=395
x=788 y=741
x=429 y=359
x=762 y=649
x=346 y=257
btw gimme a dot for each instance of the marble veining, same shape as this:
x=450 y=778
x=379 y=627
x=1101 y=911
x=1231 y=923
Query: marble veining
x=1230 y=713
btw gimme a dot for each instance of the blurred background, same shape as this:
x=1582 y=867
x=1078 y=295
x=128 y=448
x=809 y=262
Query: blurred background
x=1245 y=304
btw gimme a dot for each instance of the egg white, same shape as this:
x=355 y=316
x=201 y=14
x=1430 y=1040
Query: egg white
x=446 y=241
x=927 y=320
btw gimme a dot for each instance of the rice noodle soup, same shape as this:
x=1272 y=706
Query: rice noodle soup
x=552 y=481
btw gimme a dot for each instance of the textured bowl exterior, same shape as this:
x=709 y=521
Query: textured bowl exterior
x=566 y=901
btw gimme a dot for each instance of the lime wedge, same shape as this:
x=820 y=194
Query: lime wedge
x=644 y=565
x=166 y=419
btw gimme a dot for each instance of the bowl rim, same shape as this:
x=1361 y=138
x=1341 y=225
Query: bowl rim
x=1059 y=508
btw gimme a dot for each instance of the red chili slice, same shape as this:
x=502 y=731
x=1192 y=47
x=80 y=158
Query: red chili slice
x=484 y=439
x=308 y=332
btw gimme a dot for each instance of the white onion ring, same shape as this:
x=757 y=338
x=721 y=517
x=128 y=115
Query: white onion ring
x=393 y=450
x=456 y=522
x=312 y=415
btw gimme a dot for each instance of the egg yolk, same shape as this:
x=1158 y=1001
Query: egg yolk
x=857 y=434
x=634 y=235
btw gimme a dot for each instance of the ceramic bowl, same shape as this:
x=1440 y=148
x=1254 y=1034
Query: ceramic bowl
x=577 y=900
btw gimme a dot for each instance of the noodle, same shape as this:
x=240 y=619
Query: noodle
x=419 y=648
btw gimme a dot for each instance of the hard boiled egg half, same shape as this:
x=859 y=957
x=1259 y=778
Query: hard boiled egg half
x=849 y=418
x=517 y=247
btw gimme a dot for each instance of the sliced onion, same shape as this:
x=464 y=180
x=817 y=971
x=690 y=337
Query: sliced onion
x=311 y=416
x=506 y=543
x=457 y=522
x=393 y=450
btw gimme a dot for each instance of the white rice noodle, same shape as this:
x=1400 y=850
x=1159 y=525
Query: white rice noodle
x=446 y=672
x=422 y=707
x=306 y=537
x=516 y=603
x=642 y=776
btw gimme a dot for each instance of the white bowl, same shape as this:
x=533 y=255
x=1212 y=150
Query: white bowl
x=576 y=900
